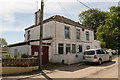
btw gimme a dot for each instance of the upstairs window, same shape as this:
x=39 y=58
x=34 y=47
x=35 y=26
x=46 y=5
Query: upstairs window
x=77 y=34
x=28 y=36
x=67 y=32
x=87 y=36
x=60 y=49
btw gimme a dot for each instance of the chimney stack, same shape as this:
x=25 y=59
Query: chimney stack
x=37 y=17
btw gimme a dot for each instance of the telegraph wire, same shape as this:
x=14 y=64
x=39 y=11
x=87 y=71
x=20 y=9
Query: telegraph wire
x=83 y=4
x=64 y=10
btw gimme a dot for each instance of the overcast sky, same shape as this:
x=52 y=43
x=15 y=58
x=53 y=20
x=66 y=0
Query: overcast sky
x=16 y=15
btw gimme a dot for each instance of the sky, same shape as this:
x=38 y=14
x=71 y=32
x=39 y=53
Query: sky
x=16 y=15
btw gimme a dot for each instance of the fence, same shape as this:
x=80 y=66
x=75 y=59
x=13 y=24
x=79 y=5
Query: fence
x=20 y=62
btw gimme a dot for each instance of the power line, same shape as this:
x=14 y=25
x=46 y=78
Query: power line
x=64 y=10
x=83 y=4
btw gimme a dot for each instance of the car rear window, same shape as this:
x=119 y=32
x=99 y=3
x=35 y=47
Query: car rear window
x=89 y=52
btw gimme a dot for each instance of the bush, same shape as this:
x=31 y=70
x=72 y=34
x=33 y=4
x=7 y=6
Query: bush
x=7 y=56
x=24 y=56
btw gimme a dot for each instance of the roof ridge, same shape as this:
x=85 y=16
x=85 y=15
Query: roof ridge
x=63 y=20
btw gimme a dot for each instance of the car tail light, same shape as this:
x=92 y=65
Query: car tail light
x=83 y=57
x=95 y=57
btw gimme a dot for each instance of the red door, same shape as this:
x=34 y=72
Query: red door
x=45 y=55
x=35 y=50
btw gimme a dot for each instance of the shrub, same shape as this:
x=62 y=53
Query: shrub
x=7 y=56
x=24 y=56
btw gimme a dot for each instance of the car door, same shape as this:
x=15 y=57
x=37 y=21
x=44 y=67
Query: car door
x=106 y=55
x=103 y=55
x=100 y=54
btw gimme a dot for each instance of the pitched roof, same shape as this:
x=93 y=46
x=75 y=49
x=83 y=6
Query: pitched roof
x=62 y=20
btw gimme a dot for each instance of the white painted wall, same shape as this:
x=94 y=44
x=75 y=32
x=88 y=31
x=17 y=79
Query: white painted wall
x=35 y=32
x=0 y=55
x=97 y=44
x=60 y=33
x=70 y=58
x=60 y=37
x=20 y=49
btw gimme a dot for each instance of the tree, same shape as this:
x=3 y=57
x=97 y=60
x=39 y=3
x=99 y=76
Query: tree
x=3 y=42
x=109 y=33
x=92 y=18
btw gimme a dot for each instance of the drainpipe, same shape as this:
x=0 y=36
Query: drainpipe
x=55 y=37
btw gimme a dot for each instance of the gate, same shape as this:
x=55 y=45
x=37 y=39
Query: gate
x=45 y=56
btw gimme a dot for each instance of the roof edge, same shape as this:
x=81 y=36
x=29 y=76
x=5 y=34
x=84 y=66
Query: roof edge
x=62 y=19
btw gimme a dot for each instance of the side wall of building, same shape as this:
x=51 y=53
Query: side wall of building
x=18 y=50
x=35 y=32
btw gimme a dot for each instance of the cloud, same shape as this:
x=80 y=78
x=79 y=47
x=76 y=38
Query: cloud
x=9 y=18
x=8 y=9
x=11 y=29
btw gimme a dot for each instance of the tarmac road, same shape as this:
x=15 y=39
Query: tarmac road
x=106 y=70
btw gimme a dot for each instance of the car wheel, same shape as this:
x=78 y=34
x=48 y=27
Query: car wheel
x=110 y=58
x=100 y=62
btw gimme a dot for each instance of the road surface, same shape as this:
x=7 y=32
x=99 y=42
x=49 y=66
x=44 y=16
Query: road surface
x=106 y=70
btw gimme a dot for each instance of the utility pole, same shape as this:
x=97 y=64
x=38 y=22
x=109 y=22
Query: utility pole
x=41 y=35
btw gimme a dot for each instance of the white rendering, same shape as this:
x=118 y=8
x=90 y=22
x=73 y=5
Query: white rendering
x=66 y=39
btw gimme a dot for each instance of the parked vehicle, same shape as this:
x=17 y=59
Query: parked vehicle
x=96 y=55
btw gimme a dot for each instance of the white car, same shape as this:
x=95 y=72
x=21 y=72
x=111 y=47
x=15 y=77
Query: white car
x=96 y=55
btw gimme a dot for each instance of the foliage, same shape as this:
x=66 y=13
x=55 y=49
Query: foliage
x=92 y=18
x=7 y=55
x=3 y=42
x=24 y=56
x=109 y=33
x=19 y=56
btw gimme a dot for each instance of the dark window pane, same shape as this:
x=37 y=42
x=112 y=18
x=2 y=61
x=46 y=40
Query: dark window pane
x=98 y=52
x=87 y=35
x=77 y=33
x=67 y=48
x=87 y=47
x=28 y=35
x=80 y=48
x=89 y=52
x=60 y=49
x=73 y=48
x=67 y=34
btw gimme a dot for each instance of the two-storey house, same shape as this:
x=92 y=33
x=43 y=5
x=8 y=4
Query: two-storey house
x=64 y=40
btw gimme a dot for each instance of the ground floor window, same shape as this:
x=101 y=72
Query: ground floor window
x=60 y=48
x=73 y=48
x=80 y=48
x=68 y=48
x=87 y=47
